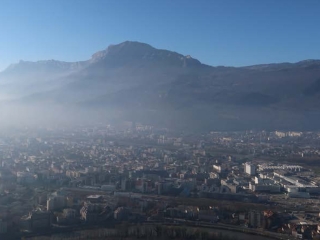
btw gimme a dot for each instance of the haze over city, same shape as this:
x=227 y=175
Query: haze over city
x=191 y=120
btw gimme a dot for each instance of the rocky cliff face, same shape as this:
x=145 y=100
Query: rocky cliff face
x=155 y=86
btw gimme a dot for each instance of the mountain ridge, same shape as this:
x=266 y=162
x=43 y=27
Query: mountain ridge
x=145 y=84
x=102 y=53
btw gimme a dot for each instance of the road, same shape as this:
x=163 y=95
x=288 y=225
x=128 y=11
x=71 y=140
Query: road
x=232 y=228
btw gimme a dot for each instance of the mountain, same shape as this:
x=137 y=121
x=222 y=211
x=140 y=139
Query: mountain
x=27 y=77
x=134 y=81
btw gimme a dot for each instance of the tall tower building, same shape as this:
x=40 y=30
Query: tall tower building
x=250 y=169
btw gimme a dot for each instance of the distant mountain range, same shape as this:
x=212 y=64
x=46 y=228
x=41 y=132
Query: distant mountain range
x=136 y=82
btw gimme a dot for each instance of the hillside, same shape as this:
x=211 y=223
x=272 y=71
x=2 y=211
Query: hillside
x=133 y=81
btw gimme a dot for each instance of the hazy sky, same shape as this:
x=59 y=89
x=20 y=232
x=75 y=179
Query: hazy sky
x=215 y=32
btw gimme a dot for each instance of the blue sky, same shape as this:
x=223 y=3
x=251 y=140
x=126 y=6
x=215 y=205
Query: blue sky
x=226 y=32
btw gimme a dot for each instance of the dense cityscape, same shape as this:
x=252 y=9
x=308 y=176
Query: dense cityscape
x=73 y=180
x=159 y=120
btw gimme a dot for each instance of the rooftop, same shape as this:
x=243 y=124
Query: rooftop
x=95 y=196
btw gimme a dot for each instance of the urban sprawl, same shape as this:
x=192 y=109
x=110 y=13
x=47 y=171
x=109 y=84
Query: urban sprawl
x=69 y=180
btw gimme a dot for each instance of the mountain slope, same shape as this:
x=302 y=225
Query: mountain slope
x=25 y=77
x=145 y=84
